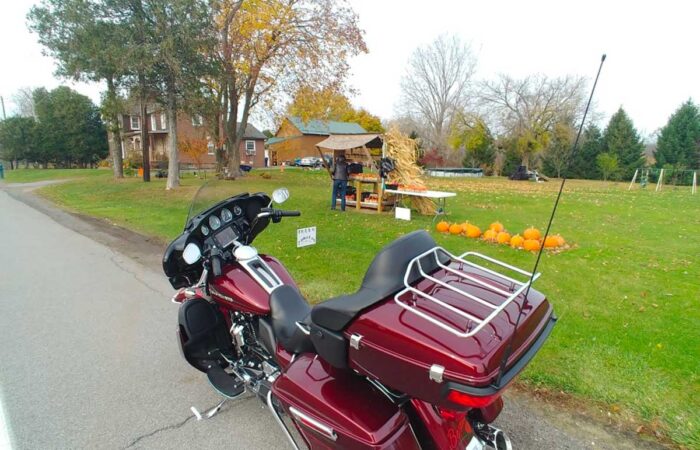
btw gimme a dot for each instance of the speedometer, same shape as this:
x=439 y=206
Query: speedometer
x=205 y=230
x=226 y=215
x=214 y=222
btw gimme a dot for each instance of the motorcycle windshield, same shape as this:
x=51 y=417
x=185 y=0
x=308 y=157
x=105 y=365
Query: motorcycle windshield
x=213 y=192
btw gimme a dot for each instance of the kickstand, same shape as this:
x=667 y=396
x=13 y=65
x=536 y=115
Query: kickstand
x=208 y=414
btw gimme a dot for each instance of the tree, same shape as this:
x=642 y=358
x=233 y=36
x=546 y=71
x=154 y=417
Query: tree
x=329 y=103
x=268 y=47
x=528 y=109
x=87 y=44
x=471 y=133
x=195 y=148
x=679 y=140
x=24 y=103
x=17 y=136
x=621 y=139
x=69 y=128
x=608 y=164
x=584 y=163
x=556 y=155
x=436 y=87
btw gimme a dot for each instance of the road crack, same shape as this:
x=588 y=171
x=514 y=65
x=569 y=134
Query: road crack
x=159 y=430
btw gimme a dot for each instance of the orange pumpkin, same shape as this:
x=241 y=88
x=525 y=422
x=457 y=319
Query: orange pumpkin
x=472 y=231
x=532 y=233
x=490 y=235
x=516 y=241
x=496 y=226
x=532 y=244
x=442 y=227
x=560 y=240
x=455 y=228
x=503 y=238
x=551 y=242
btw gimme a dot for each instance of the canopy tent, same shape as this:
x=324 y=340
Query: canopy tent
x=350 y=141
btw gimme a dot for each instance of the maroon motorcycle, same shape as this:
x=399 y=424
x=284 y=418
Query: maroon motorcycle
x=417 y=358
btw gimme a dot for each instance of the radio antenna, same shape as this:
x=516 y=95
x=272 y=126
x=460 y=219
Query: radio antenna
x=568 y=160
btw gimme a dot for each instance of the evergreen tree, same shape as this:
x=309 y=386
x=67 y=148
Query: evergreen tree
x=679 y=140
x=16 y=139
x=622 y=140
x=584 y=163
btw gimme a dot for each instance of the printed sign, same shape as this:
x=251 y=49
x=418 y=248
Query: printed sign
x=403 y=213
x=306 y=236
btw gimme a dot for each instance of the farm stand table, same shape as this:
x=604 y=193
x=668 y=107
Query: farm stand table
x=439 y=197
x=376 y=189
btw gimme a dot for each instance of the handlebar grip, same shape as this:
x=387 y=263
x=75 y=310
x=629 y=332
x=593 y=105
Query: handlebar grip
x=216 y=265
x=289 y=213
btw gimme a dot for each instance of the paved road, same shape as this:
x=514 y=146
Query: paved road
x=89 y=360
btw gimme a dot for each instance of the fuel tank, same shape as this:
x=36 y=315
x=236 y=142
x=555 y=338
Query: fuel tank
x=236 y=288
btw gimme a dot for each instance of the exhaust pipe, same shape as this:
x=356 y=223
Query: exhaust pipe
x=487 y=437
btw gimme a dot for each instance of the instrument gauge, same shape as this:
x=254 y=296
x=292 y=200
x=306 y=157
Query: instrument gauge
x=214 y=222
x=237 y=210
x=226 y=215
x=205 y=230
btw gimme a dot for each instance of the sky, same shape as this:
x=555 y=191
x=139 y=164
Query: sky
x=652 y=66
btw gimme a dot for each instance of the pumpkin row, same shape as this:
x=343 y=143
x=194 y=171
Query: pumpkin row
x=531 y=238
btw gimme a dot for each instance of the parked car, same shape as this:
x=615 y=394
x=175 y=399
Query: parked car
x=310 y=161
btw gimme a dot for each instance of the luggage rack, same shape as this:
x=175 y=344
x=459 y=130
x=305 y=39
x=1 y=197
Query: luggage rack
x=518 y=287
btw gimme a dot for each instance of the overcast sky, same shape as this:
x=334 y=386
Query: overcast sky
x=653 y=62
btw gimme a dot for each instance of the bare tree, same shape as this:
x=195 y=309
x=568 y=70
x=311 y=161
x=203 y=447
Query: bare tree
x=24 y=102
x=528 y=109
x=437 y=85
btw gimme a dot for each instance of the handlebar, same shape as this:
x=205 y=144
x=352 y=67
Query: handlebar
x=277 y=214
x=283 y=213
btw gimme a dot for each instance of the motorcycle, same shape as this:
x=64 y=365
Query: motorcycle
x=417 y=358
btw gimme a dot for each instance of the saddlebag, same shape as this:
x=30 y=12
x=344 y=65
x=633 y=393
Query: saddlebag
x=443 y=337
x=340 y=410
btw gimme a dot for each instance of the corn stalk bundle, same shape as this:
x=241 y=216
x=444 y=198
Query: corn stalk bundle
x=403 y=150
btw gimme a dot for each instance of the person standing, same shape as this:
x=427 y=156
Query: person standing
x=340 y=181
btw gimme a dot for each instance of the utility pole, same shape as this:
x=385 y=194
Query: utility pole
x=2 y=100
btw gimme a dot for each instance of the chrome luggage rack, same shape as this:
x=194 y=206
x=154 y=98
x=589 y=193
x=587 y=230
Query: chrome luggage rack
x=517 y=288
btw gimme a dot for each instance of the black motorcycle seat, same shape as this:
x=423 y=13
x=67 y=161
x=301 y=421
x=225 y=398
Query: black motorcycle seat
x=287 y=307
x=384 y=277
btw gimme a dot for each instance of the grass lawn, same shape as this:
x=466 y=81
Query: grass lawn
x=31 y=175
x=627 y=293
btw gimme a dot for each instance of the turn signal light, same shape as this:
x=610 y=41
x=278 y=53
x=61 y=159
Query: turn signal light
x=471 y=401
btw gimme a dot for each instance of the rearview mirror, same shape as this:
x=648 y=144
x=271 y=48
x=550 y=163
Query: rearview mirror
x=191 y=253
x=280 y=195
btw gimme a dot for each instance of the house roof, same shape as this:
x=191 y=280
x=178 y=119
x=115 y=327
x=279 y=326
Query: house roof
x=350 y=141
x=251 y=132
x=326 y=127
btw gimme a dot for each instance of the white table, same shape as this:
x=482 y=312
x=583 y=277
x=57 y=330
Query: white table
x=439 y=197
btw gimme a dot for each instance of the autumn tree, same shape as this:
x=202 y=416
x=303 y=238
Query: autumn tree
x=608 y=164
x=556 y=156
x=268 y=47
x=621 y=139
x=470 y=132
x=528 y=109
x=196 y=148
x=329 y=103
x=679 y=140
x=436 y=86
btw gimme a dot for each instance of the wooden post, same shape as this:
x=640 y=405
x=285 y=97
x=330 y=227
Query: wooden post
x=695 y=183
x=660 y=180
x=634 y=178
x=358 y=194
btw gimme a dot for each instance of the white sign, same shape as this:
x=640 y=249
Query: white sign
x=306 y=236
x=403 y=213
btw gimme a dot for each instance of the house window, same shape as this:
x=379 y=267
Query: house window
x=135 y=122
x=210 y=147
x=197 y=120
x=154 y=123
x=163 y=121
x=249 y=147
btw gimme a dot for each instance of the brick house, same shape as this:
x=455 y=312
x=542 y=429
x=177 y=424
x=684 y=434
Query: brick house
x=297 y=139
x=252 y=148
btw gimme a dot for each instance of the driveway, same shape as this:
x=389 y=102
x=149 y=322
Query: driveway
x=89 y=357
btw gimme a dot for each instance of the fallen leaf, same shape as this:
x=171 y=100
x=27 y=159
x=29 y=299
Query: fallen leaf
x=642 y=309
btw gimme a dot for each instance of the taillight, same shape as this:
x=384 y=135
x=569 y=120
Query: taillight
x=471 y=401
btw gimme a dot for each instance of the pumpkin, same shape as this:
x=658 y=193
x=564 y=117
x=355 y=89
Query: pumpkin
x=443 y=227
x=532 y=233
x=490 y=235
x=496 y=226
x=551 y=242
x=503 y=238
x=532 y=244
x=455 y=228
x=560 y=240
x=472 y=231
x=516 y=241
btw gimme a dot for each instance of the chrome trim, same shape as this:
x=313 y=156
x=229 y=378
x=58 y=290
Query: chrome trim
x=435 y=373
x=265 y=276
x=304 y=328
x=355 y=341
x=314 y=424
x=278 y=418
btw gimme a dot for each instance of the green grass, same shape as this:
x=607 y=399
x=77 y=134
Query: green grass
x=32 y=175
x=627 y=293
